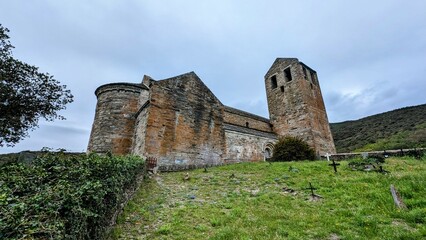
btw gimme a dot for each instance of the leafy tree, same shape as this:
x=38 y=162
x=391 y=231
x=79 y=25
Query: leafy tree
x=292 y=149
x=26 y=95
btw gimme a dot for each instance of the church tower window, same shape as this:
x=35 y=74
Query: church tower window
x=287 y=74
x=274 y=82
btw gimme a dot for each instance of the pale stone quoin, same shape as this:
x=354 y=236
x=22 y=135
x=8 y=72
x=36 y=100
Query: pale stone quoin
x=180 y=121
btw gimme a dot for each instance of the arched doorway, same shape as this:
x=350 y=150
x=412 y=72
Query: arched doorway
x=268 y=151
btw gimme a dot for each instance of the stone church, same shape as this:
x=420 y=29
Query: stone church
x=182 y=124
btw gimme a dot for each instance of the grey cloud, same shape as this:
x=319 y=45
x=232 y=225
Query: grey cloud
x=369 y=55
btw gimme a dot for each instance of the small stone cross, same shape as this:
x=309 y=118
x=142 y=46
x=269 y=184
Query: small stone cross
x=328 y=155
x=334 y=164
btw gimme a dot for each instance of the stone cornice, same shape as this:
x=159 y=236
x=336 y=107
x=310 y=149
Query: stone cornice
x=131 y=87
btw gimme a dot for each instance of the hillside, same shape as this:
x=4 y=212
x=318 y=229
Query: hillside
x=271 y=201
x=401 y=128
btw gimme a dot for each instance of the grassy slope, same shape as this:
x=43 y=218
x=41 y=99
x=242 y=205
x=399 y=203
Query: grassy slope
x=252 y=205
x=401 y=128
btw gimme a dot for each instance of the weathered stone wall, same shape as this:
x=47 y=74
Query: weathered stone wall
x=320 y=126
x=141 y=119
x=140 y=130
x=143 y=98
x=180 y=122
x=113 y=127
x=184 y=127
x=388 y=153
x=296 y=105
x=245 y=119
x=246 y=145
x=147 y=80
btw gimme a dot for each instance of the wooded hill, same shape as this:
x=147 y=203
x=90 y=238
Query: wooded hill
x=400 y=128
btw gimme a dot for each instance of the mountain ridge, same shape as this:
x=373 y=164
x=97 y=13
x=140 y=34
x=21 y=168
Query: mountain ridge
x=399 y=128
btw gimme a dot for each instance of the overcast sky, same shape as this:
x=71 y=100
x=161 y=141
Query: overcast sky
x=370 y=56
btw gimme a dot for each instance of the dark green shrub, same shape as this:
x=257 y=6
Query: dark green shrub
x=416 y=153
x=64 y=197
x=292 y=149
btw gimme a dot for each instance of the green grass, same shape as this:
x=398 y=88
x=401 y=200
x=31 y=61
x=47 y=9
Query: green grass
x=252 y=205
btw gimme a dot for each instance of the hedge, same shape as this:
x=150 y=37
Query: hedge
x=64 y=197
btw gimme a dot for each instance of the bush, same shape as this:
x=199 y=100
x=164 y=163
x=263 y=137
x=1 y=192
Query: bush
x=64 y=197
x=292 y=149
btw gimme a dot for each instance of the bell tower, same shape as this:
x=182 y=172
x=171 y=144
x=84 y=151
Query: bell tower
x=295 y=104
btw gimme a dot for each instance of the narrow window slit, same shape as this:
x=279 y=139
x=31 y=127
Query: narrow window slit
x=274 y=82
x=305 y=74
x=287 y=74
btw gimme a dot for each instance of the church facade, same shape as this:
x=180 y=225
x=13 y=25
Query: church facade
x=182 y=124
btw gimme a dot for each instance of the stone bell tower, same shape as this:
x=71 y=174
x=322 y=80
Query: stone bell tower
x=295 y=104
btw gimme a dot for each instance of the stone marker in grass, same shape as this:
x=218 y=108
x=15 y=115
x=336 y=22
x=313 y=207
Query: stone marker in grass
x=289 y=190
x=397 y=198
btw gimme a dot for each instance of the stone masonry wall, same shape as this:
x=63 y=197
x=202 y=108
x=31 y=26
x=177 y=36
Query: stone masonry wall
x=180 y=122
x=140 y=124
x=317 y=114
x=296 y=106
x=184 y=126
x=113 y=127
x=247 y=146
x=286 y=105
x=140 y=130
x=244 y=119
